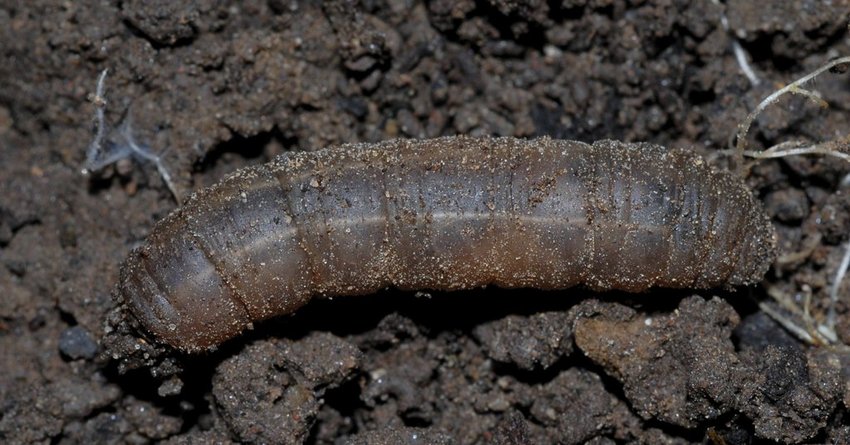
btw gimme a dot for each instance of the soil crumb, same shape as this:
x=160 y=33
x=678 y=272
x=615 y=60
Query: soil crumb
x=214 y=85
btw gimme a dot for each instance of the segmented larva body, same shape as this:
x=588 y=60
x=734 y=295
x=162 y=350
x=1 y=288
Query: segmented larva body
x=442 y=214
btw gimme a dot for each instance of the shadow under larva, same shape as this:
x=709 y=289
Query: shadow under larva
x=443 y=214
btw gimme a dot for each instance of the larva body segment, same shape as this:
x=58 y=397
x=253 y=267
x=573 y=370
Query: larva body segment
x=443 y=214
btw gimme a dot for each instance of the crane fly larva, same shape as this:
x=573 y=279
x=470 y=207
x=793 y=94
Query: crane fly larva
x=443 y=214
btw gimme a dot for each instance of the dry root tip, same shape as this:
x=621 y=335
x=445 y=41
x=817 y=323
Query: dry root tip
x=799 y=321
x=103 y=152
x=95 y=149
x=836 y=284
x=841 y=64
x=839 y=148
x=840 y=68
x=740 y=54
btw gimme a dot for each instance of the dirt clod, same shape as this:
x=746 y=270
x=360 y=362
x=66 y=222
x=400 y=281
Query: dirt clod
x=261 y=404
x=211 y=86
x=676 y=367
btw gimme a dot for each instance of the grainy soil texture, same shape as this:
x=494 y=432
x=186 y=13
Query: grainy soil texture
x=196 y=90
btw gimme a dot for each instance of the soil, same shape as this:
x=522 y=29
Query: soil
x=211 y=86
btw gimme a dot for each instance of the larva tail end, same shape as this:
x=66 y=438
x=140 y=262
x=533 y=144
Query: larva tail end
x=128 y=344
x=758 y=254
x=176 y=294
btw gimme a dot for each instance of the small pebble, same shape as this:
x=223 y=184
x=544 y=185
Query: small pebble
x=76 y=343
x=170 y=387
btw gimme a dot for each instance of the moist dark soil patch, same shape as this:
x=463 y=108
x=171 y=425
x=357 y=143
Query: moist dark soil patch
x=211 y=86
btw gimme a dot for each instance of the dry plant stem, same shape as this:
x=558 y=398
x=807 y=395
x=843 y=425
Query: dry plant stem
x=784 y=300
x=740 y=53
x=794 y=88
x=96 y=147
x=148 y=155
x=807 y=311
x=101 y=154
x=814 y=333
x=793 y=148
x=809 y=245
x=741 y=57
x=788 y=324
x=810 y=334
x=836 y=284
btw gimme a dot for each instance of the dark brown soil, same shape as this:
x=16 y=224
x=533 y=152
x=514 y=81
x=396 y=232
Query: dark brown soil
x=212 y=86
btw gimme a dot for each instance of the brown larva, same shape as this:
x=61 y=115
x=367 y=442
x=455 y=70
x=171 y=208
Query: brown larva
x=443 y=214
